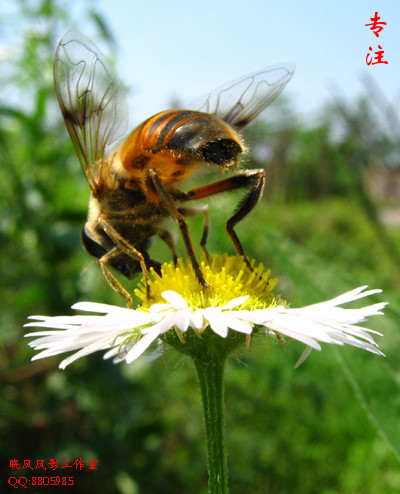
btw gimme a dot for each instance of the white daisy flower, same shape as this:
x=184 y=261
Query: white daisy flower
x=126 y=333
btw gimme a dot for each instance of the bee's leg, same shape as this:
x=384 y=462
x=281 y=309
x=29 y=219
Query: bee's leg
x=255 y=179
x=127 y=248
x=166 y=237
x=193 y=211
x=154 y=182
x=111 y=279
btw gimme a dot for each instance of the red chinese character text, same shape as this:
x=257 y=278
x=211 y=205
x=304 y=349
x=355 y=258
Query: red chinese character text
x=27 y=464
x=53 y=464
x=40 y=464
x=92 y=464
x=376 y=26
x=79 y=464
x=14 y=464
x=378 y=56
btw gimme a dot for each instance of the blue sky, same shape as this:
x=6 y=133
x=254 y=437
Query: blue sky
x=187 y=48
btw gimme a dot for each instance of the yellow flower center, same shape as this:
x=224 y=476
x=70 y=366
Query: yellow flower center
x=228 y=276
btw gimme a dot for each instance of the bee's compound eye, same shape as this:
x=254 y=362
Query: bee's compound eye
x=221 y=152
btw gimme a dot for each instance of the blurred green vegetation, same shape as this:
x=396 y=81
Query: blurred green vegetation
x=330 y=426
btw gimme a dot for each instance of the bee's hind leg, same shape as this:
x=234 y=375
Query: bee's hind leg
x=252 y=181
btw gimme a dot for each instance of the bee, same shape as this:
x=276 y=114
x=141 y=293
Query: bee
x=134 y=182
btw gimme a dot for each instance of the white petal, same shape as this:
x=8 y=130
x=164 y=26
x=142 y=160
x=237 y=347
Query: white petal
x=303 y=356
x=97 y=307
x=234 y=302
x=323 y=322
x=292 y=333
x=87 y=350
x=183 y=319
x=235 y=323
x=350 y=296
x=197 y=319
x=217 y=321
x=166 y=323
x=142 y=345
x=156 y=308
x=174 y=299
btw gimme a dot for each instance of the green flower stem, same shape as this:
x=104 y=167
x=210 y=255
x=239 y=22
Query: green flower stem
x=209 y=352
x=210 y=372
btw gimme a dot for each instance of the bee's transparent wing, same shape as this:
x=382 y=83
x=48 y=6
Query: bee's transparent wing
x=240 y=101
x=92 y=101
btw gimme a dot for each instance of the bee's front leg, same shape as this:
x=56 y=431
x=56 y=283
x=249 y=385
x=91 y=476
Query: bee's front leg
x=122 y=246
x=111 y=279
